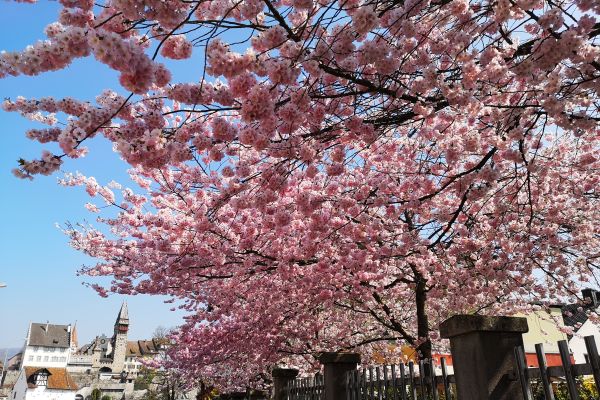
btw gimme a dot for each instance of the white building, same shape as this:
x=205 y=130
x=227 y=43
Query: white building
x=142 y=349
x=44 y=383
x=576 y=316
x=47 y=345
x=577 y=343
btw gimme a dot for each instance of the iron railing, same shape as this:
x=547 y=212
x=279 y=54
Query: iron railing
x=543 y=381
x=306 y=388
x=421 y=381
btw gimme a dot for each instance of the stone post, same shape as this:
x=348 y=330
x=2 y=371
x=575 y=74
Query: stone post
x=335 y=366
x=483 y=355
x=281 y=378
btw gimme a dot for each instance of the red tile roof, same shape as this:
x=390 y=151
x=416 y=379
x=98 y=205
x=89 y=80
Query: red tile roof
x=58 y=378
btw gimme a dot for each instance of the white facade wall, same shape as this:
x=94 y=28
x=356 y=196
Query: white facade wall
x=42 y=393
x=544 y=327
x=577 y=344
x=20 y=389
x=80 y=363
x=132 y=365
x=39 y=356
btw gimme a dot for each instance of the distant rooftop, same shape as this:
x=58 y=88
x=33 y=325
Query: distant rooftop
x=577 y=314
x=49 y=335
x=142 y=348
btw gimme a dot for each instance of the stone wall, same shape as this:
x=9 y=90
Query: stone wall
x=7 y=381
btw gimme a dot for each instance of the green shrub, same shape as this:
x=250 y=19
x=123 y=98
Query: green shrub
x=96 y=394
x=586 y=388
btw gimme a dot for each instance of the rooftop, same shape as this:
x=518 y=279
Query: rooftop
x=58 y=378
x=578 y=313
x=49 y=335
x=141 y=348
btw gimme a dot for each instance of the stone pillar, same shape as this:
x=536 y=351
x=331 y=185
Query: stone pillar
x=335 y=366
x=281 y=378
x=483 y=355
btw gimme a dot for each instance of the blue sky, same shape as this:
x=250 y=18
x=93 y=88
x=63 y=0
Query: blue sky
x=36 y=262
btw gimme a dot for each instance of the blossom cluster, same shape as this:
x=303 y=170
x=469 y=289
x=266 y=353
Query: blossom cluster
x=49 y=55
x=176 y=47
x=138 y=71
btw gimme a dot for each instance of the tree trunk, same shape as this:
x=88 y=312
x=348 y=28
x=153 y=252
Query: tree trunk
x=424 y=348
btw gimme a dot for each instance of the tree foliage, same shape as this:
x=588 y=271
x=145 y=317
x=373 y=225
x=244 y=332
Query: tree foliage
x=342 y=174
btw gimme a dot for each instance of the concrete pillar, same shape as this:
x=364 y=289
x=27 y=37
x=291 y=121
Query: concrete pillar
x=335 y=366
x=281 y=378
x=483 y=355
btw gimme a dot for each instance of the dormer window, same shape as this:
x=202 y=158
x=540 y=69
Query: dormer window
x=41 y=378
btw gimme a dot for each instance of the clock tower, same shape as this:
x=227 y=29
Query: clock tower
x=120 y=339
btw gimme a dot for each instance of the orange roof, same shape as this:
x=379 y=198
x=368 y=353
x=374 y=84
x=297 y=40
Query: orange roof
x=58 y=378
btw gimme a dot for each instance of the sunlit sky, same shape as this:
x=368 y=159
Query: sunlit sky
x=37 y=264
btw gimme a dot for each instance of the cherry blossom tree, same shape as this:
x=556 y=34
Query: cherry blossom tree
x=342 y=175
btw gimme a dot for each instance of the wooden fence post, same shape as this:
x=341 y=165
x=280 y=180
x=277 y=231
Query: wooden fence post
x=483 y=358
x=335 y=366
x=281 y=378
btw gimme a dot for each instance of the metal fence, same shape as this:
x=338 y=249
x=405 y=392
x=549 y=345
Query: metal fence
x=385 y=382
x=542 y=382
x=401 y=382
x=306 y=388
x=426 y=380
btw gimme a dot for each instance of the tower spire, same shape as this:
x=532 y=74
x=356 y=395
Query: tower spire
x=122 y=322
x=74 y=339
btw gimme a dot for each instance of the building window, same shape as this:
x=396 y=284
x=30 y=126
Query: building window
x=54 y=359
x=41 y=379
x=30 y=358
x=63 y=359
x=46 y=358
x=51 y=349
x=38 y=358
x=35 y=348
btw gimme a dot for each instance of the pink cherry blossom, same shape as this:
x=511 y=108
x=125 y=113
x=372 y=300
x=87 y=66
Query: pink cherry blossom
x=338 y=175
